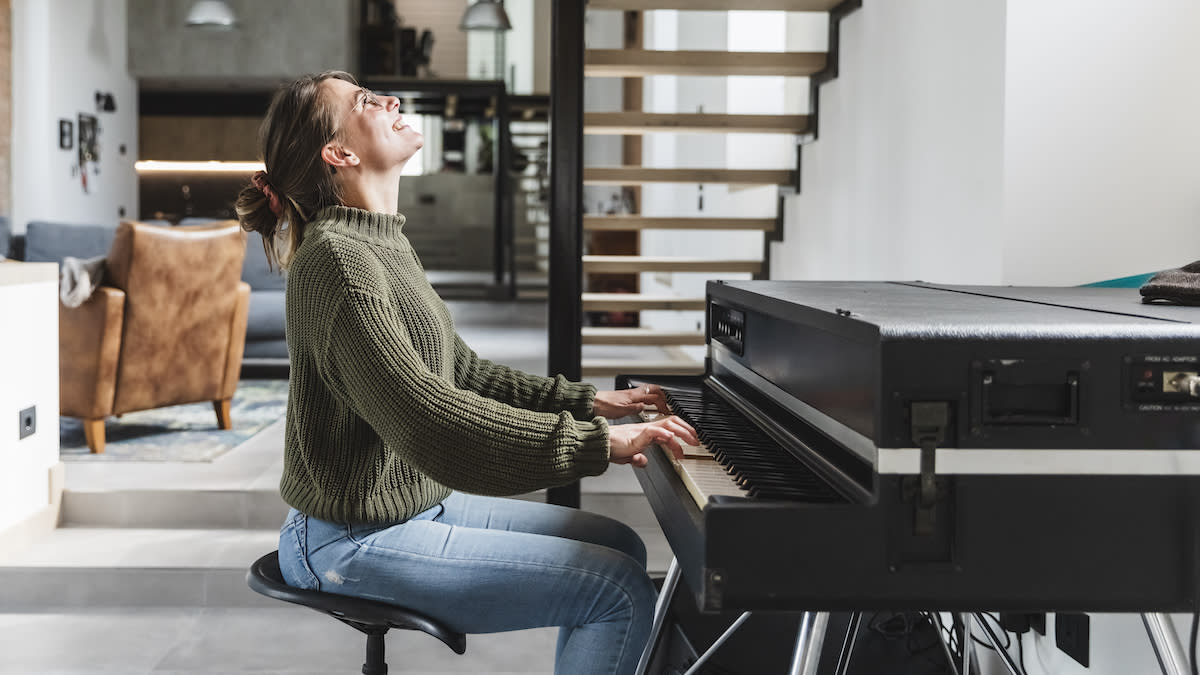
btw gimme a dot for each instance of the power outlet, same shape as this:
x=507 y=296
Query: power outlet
x=1071 y=634
x=28 y=422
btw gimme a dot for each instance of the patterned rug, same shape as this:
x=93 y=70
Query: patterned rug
x=181 y=433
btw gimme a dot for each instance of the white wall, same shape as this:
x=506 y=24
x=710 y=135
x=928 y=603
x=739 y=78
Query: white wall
x=1102 y=180
x=1102 y=145
x=1008 y=142
x=906 y=178
x=64 y=51
x=29 y=307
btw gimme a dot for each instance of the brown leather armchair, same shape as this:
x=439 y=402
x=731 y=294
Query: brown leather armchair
x=167 y=326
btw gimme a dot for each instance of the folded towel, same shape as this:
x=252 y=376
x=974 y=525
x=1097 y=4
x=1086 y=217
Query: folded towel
x=1177 y=286
x=80 y=278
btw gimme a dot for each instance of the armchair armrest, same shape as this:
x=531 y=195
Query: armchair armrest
x=89 y=344
x=237 y=341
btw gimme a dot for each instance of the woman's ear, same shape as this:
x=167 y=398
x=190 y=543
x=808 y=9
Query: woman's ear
x=337 y=156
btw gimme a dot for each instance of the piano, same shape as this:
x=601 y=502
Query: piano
x=883 y=445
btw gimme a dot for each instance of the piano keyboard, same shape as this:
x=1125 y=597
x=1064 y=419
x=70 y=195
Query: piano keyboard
x=735 y=458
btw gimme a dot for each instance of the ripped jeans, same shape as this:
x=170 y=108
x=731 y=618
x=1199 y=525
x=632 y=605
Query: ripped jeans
x=485 y=565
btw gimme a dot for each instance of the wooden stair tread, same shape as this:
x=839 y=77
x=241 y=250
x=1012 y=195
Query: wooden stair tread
x=602 y=335
x=615 y=302
x=633 y=123
x=627 y=175
x=640 y=62
x=717 y=5
x=600 y=367
x=636 y=263
x=596 y=223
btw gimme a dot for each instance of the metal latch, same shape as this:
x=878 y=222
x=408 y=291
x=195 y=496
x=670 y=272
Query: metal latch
x=929 y=422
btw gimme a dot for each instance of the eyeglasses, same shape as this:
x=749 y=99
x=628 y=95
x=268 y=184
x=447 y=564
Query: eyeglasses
x=365 y=98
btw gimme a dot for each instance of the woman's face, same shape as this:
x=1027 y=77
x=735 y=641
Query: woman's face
x=372 y=127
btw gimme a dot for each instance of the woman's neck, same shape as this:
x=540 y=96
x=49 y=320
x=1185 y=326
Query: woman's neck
x=378 y=193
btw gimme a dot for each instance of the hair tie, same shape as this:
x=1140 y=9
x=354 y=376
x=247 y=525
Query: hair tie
x=259 y=179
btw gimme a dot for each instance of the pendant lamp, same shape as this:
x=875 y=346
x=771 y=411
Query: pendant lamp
x=485 y=15
x=211 y=15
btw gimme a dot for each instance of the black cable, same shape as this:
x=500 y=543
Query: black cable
x=1021 y=654
x=988 y=645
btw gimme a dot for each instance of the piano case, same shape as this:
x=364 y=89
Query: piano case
x=1064 y=477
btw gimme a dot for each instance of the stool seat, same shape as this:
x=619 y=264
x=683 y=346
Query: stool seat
x=369 y=616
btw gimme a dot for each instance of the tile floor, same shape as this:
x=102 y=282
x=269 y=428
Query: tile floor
x=147 y=573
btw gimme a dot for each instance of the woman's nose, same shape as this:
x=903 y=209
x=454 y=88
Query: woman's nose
x=393 y=102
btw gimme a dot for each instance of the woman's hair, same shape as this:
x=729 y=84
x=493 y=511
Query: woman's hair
x=297 y=182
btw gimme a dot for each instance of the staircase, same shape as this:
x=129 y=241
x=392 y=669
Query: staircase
x=656 y=343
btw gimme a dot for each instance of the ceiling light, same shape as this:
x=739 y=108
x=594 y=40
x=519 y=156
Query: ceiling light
x=485 y=15
x=211 y=15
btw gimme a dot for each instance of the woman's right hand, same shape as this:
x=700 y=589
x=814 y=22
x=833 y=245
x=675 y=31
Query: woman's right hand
x=627 y=441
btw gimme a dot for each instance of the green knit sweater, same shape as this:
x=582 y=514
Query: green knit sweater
x=388 y=409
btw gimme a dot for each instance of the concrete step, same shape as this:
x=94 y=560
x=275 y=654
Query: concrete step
x=174 y=508
x=95 y=567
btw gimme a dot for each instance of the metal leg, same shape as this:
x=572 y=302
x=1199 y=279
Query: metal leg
x=966 y=644
x=660 y=615
x=997 y=645
x=737 y=623
x=1172 y=659
x=809 y=639
x=946 y=650
x=843 y=663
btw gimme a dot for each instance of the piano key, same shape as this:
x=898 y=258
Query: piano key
x=688 y=449
x=703 y=478
x=747 y=457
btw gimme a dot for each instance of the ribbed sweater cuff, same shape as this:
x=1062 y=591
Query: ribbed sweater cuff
x=578 y=397
x=591 y=457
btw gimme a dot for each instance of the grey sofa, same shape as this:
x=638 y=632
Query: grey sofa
x=266 y=343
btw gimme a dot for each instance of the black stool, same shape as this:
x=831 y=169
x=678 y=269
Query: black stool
x=369 y=616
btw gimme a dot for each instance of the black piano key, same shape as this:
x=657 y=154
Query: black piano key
x=752 y=459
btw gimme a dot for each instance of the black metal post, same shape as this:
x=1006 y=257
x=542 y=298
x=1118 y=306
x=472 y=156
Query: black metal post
x=566 y=199
x=375 y=663
x=504 y=184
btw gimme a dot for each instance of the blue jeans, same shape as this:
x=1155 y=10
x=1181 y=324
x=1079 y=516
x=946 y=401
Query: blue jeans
x=484 y=565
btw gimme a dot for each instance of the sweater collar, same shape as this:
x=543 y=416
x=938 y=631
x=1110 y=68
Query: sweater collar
x=371 y=225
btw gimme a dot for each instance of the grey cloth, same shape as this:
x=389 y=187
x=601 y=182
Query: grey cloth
x=80 y=278
x=1179 y=286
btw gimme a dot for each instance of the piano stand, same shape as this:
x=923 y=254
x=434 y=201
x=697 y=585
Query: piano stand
x=809 y=639
x=1167 y=648
x=1172 y=659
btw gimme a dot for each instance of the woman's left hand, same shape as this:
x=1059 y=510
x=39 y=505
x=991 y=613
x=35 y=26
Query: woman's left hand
x=623 y=402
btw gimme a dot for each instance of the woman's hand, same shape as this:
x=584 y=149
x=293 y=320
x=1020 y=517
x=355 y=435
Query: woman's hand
x=627 y=441
x=622 y=402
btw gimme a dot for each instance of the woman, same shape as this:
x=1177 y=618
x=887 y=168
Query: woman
x=395 y=426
